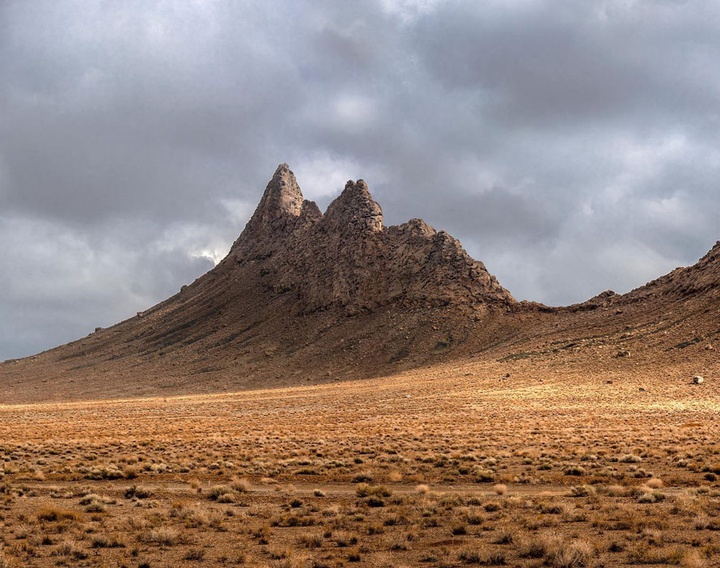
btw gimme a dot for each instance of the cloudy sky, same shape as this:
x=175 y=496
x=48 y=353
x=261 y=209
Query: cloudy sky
x=571 y=146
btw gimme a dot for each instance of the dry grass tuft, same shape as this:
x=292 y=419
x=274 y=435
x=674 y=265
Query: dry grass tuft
x=165 y=536
x=54 y=514
x=576 y=554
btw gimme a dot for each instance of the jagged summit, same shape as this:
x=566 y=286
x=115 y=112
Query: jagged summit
x=355 y=210
x=279 y=207
x=283 y=209
x=282 y=196
x=348 y=259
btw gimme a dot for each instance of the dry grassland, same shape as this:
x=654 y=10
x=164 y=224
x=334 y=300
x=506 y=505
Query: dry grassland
x=452 y=466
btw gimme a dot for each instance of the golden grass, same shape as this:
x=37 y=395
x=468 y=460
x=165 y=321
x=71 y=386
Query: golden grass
x=553 y=469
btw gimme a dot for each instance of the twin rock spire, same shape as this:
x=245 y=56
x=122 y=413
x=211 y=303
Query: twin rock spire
x=283 y=208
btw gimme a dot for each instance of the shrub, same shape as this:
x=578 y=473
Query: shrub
x=577 y=554
x=166 y=536
x=54 y=514
x=138 y=491
x=196 y=554
x=310 y=540
x=616 y=491
x=474 y=556
x=344 y=539
x=220 y=493
x=470 y=556
x=240 y=485
x=582 y=491
x=651 y=496
x=576 y=470
x=362 y=477
x=375 y=502
x=365 y=490
x=504 y=537
x=474 y=518
x=691 y=559
x=70 y=549
x=93 y=503
x=102 y=541
x=484 y=475
x=459 y=529
x=536 y=548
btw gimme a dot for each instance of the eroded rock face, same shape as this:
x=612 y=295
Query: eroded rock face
x=354 y=211
x=280 y=205
x=348 y=259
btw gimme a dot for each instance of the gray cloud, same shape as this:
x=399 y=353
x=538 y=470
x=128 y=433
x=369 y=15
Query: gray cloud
x=572 y=147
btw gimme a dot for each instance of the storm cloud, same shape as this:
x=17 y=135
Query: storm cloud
x=571 y=146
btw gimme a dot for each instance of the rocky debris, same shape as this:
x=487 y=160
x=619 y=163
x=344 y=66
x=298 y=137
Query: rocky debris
x=348 y=259
x=698 y=380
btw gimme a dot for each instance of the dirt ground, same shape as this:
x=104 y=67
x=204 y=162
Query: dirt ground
x=470 y=463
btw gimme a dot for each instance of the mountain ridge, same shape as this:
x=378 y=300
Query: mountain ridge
x=347 y=258
x=304 y=296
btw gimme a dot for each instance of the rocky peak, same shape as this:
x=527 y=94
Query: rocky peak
x=347 y=259
x=355 y=210
x=415 y=228
x=280 y=205
x=281 y=211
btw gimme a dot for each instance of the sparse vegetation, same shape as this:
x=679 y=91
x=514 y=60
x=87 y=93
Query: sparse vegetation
x=362 y=484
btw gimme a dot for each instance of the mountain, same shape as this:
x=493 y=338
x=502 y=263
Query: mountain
x=300 y=296
x=304 y=297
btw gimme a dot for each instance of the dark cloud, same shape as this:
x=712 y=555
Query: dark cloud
x=572 y=147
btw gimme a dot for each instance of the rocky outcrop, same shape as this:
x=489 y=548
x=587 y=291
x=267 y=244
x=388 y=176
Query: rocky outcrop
x=348 y=259
x=280 y=212
x=700 y=279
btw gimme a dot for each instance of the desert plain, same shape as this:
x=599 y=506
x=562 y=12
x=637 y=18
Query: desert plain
x=524 y=462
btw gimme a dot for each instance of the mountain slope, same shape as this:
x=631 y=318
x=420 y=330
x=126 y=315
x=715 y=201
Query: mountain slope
x=301 y=296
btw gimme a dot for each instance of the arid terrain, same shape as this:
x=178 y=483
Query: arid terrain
x=336 y=392
x=449 y=466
